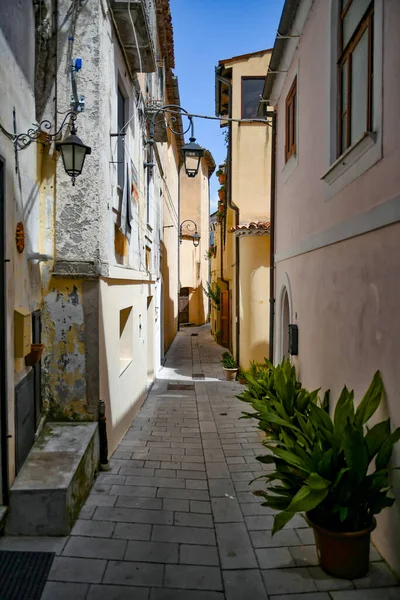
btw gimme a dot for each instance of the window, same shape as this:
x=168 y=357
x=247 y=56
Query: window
x=355 y=71
x=251 y=94
x=121 y=120
x=125 y=338
x=291 y=122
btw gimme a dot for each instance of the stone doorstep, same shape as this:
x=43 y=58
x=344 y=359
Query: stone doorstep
x=55 y=480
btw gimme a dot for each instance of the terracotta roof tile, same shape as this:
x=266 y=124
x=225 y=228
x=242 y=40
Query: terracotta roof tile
x=253 y=227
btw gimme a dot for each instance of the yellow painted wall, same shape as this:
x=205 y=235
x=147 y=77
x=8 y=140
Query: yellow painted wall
x=169 y=243
x=250 y=192
x=254 y=299
x=251 y=148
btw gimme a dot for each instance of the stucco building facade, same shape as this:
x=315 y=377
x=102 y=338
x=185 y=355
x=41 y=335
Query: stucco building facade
x=193 y=265
x=337 y=206
x=241 y=267
x=95 y=298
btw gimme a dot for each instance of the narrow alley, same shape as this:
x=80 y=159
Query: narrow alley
x=175 y=518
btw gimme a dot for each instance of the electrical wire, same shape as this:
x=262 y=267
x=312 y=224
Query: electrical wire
x=134 y=33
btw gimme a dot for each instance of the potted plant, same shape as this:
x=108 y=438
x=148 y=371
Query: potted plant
x=221 y=176
x=241 y=377
x=220 y=216
x=229 y=365
x=221 y=192
x=212 y=251
x=333 y=470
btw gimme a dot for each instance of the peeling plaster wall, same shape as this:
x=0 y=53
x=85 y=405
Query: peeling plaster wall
x=23 y=279
x=81 y=212
x=68 y=335
x=90 y=280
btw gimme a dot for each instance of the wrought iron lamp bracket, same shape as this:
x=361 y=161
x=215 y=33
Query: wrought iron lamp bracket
x=40 y=132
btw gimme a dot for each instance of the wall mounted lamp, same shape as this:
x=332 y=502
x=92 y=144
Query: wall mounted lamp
x=191 y=152
x=73 y=150
x=190 y=230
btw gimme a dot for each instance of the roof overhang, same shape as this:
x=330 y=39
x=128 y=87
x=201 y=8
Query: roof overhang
x=253 y=228
x=124 y=13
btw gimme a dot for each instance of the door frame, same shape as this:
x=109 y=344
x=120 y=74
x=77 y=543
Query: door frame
x=4 y=492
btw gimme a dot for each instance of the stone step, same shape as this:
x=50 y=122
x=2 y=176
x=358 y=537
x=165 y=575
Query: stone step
x=55 y=480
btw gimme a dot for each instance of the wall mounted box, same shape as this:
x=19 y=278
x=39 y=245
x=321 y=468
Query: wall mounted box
x=293 y=340
x=22 y=332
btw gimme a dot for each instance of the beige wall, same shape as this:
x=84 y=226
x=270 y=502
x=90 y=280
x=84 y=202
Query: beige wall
x=194 y=266
x=251 y=148
x=169 y=245
x=337 y=251
x=250 y=192
x=123 y=383
x=254 y=299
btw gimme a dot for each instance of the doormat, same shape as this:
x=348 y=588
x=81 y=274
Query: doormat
x=23 y=575
x=197 y=375
x=180 y=386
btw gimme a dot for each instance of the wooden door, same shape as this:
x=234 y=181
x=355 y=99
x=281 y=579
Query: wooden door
x=225 y=318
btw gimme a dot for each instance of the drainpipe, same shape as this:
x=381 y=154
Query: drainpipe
x=272 y=244
x=236 y=211
x=179 y=240
x=3 y=345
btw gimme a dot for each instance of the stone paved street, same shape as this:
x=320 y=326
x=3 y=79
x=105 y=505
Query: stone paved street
x=175 y=518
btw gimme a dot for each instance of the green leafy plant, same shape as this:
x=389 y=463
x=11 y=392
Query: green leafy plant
x=214 y=293
x=332 y=469
x=212 y=251
x=228 y=361
x=219 y=172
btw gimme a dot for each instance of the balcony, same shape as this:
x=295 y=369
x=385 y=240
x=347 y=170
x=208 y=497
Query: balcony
x=160 y=124
x=140 y=57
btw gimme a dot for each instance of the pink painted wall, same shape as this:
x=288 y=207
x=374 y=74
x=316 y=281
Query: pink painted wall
x=345 y=296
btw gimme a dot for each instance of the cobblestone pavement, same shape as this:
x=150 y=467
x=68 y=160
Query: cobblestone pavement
x=175 y=518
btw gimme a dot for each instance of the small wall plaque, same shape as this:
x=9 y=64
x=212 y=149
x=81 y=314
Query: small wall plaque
x=20 y=237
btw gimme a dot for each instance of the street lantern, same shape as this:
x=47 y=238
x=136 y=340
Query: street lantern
x=73 y=152
x=192 y=154
x=190 y=230
x=196 y=239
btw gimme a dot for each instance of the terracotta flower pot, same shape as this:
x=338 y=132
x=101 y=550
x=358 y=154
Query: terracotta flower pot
x=222 y=178
x=343 y=554
x=230 y=374
x=221 y=194
x=34 y=355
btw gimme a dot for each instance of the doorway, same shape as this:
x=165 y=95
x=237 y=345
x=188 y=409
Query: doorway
x=3 y=343
x=285 y=325
x=225 y=318
x=184 y=306
x=150 y=340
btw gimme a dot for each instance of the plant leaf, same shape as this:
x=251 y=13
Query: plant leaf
x=371 y=400
x=307 y=498
x=376 y=436
x=355 y=451
x=293 y=459
x=316 y=482
x=386 y=450
x=281 y=519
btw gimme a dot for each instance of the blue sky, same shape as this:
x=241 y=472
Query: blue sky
x=206 y=31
